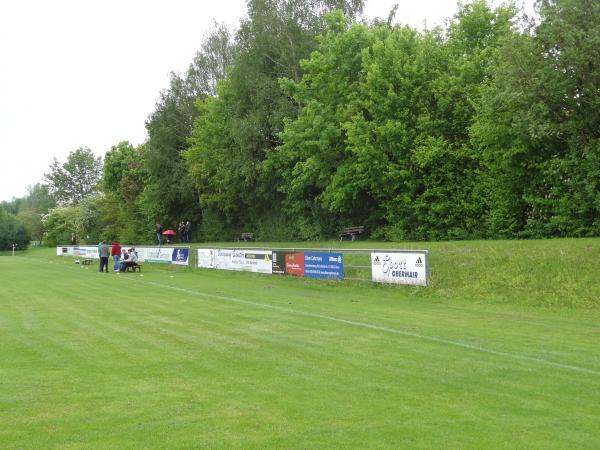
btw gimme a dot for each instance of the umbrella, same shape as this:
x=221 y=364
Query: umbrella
x=169 y=232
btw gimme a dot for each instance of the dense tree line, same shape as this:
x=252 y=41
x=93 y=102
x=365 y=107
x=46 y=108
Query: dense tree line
x=306 y=120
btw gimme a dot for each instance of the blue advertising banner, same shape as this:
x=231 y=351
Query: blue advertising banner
x=323 y=265
x=180 y=256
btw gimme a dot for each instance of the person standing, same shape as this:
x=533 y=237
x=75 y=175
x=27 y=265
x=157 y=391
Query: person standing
x=115 y=251
x=187 y=231
x=181 y=231
x=159 y=230
x=104 y=251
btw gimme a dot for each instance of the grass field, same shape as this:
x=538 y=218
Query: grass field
x=501 y=351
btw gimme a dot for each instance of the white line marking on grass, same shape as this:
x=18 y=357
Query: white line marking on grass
x=375 y=327
x=380 y=328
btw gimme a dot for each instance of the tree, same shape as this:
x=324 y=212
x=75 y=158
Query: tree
x=314 y=144
x=241 y=126
x=75 y=179
x=210 y=64
x=169 y=194
x=90 y=220
x=382 y=136
x=12 y=231
x=37 y=203
x=537 y=126
x=30 y=209
x=124 y=180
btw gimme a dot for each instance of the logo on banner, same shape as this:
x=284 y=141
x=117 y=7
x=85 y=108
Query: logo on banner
x=180 y=256
x=389 y=265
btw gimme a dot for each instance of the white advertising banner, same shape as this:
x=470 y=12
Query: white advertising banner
x=206 y=258
x=88 y=252
x=179 y=256
x=399 y=267
x=154 y=254
x=260 y=261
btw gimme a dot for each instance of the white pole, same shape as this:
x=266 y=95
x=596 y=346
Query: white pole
x=14 y=245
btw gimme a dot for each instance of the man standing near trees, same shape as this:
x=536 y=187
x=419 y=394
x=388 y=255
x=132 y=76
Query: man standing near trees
x=104 y=251
x=159 y=230
x=187 y=229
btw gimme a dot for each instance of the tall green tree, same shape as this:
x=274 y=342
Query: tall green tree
x=537 y=126
x=382 y=138
x=124 y=180
x=70 y=182
x=314 y=145
x=36 y=203
x=169 y=194
x=242 y=124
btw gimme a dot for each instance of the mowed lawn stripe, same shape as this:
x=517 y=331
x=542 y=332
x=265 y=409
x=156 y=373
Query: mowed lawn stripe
x=354 y=323
x=158 y=368
x=377 y=327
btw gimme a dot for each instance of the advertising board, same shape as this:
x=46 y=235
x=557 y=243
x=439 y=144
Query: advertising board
x=290 y=263
x=89 y=251
x=279 y=263
x=206 y=258
x=180 y=256
x=161 y=255
x=259 y=261
x=323 y=265
x=399 y=267
x=294 y=264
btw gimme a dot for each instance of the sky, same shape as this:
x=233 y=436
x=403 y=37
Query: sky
x=79 y=73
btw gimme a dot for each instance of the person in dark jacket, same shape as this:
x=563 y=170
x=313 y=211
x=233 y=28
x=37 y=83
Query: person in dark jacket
x=187 y=231
x=104 y=252
x=159 y=230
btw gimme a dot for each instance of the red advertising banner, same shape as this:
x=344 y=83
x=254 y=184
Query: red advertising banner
x=294 y=264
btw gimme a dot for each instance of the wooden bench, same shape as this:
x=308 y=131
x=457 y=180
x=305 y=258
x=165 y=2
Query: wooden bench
x=246 y=237
x=351 y=232
x=133 y=268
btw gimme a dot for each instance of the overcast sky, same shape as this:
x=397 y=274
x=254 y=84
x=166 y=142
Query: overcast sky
x=76 y=73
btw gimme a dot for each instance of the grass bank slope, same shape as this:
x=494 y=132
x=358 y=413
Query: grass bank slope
x=558 y=273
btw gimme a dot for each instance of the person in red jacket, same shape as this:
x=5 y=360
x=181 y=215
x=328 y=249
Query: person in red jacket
x=115 y=251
